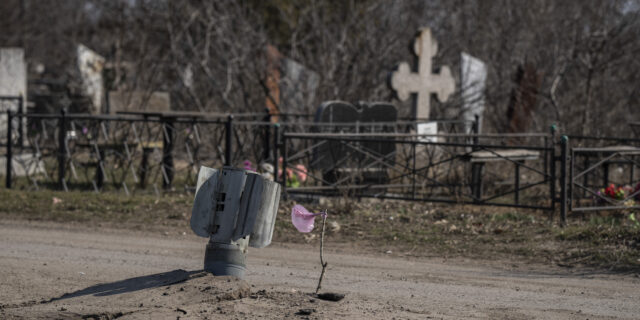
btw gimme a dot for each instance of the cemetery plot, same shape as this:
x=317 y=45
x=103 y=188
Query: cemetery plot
x=116 y=152
x=439 y=161
x=604 y=178
x=403 y=166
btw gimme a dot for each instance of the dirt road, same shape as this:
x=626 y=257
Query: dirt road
x=129 y=274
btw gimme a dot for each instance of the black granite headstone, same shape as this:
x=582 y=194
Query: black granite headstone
x=337 y=159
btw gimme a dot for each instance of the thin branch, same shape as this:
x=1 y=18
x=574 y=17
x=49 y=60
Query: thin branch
x=322 y=263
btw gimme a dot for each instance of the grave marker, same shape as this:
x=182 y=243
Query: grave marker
x=327 y=155
x=337 y=159
x=91 y=65
x=13 y=84
x=473 y=77
x=424 y=82
x=290 y=86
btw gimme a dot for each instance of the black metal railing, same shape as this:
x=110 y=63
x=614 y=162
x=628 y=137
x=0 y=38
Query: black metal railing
x=158 y=152
x=453 y=168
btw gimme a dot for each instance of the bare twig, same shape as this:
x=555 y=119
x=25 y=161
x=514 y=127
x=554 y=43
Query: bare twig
x=322 y=263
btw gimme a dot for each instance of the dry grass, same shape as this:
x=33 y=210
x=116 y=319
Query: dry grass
x=404 y=228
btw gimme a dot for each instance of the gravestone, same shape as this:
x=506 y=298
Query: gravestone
x=336 y=112
x=422 y=83
x=139 y=101
x=524 y=97
x=378 y=112
x=291 y=86
x=473 y=77
x=13 y=85
x=91 y=66
x=331 y=114
x=336 y=159
x=297 y=87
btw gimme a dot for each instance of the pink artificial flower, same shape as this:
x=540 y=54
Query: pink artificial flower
x=248 y=165
x=302 y=219
x=301 y=172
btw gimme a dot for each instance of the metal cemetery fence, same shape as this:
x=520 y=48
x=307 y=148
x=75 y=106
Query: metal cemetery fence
x=149 y=151
x=603 y=173
x=10 y=103
x=455 y=168
x=153 y=153
x=77 y=151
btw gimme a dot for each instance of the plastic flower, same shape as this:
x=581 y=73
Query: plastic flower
x=302 y=219
x=613 y=192
x=301 y=172
x=292 y=180
x=248 y=165
x=294 y=177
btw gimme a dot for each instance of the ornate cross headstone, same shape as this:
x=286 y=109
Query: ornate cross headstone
x=423 y=83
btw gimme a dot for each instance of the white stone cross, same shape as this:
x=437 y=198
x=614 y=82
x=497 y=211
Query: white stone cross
x=424 y=82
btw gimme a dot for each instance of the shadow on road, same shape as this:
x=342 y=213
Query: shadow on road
x=132 y=284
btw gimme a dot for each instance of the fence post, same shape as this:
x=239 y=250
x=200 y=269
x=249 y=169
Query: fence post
x=228 y=139
x=517 y=181
x=9 y=147
x=267 y=138
x=62 y=148
x=552 y=169
x=564 y=143
x=476 y=129
x=276 y=134
x=413 y=171
x=20 y=124
x=476 y=168
x=284 y=164
x=167 y=151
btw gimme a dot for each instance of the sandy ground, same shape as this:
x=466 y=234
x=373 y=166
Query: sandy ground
x=70 y=271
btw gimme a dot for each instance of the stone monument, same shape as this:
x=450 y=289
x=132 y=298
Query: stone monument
x=290 y=86
x=91 y=66
x=13 y=86
x=337 y=160
x=423 y=83
x=13 y=93
x=473 y=75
